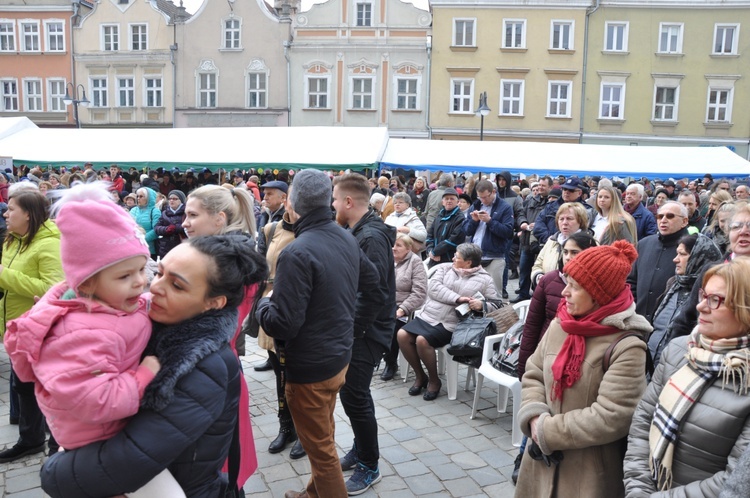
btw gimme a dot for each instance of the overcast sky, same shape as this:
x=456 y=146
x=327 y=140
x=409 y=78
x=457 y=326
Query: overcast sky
x=192 y=5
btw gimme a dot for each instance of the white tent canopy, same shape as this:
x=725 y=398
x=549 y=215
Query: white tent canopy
x=564 y=159
x=9 y=126
x=298 y=147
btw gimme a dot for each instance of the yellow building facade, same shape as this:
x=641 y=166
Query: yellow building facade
x=528 y=59
x=668 y=73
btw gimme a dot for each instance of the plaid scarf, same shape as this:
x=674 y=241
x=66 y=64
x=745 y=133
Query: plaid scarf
x=707 y=359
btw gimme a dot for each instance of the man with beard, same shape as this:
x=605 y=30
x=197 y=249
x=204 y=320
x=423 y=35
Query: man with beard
x=351 y=196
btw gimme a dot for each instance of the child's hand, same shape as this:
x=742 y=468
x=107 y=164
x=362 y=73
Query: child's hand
x=152 y=363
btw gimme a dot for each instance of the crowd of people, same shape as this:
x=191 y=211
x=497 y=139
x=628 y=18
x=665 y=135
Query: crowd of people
x=148 y=284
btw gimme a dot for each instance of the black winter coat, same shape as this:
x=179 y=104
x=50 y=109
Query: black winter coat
x=186 y=422
x=376 y=239
x=311 y=311
x=446 y=233
x=167 y=242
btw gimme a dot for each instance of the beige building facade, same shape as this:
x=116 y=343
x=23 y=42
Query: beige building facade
x=123 y=59
x=362 y=63
x=669 y=73
x=528 y=58
x=232 y=66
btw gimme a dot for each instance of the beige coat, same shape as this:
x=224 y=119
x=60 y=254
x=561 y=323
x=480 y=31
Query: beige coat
x=282 y=237
x=411 y=283
x=595 y=413
x=547 y=259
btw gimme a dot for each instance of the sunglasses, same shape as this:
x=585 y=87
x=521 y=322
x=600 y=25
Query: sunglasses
x=669 y=216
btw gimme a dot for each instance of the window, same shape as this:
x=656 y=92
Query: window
x=361 y=93
x=463 y=33
x=725 y=39
x=719 y=105
x=612 y=101
x=665 y=103
x=30 y=36
x=207 y=90
x=256 y=90
x=317 y=93
x=7 y=36
x=99 y=92
x=514 y=33
x=511 y=97
x=364 y=14
x=138 y=37
x=55 y=36
x=462 y=96
x=10 y=95
x=562 y=35
x=670 y=38
x=125 y=92
x=32 y=90
x=406 y=94
x=110 y=37
x=616 y=36
x=559 y=95
x=154 y=92
x=55 y=94
x=232 y=33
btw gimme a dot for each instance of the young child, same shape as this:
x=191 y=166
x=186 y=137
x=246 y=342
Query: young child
x=82 y=342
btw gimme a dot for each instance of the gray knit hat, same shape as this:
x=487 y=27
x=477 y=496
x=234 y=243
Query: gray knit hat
x=311 y=190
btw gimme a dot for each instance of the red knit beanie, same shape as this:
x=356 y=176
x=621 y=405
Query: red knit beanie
x=602 y=270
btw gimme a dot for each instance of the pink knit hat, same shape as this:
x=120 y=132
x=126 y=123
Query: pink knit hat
x=96 y=234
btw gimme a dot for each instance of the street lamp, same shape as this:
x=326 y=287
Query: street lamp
x=482 y=111
x=75 y=101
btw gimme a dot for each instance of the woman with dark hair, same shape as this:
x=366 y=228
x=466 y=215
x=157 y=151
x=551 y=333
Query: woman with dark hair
x=660 y=198
x=30 y=267
x=188 y=421
x=451 y=285
x=693 y=253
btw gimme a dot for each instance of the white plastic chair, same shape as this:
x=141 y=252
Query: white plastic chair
x=506 y=383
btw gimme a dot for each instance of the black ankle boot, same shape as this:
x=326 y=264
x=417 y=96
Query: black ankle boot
x=388 y=372
x=287 y=435
x=297 y=451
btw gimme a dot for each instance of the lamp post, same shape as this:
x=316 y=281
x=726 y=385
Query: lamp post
x=482 y=111
x=75 y=99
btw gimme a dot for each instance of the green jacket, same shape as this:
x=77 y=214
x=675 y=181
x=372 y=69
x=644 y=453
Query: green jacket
x=29 y=273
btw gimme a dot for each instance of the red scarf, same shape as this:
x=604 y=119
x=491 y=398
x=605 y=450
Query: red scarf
x=566 y=369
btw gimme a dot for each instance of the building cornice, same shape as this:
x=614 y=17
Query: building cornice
x=510 y=4
x=36 y=8
x=677 y=4
x=112 y=59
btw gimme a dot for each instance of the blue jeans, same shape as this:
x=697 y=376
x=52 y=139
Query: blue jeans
x=357 y=399
x=508 y=262
x=528 y=257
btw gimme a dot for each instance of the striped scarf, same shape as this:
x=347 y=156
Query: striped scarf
x=707 y=359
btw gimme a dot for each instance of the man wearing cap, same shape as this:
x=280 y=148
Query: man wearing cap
x=669 y=186
x=544 y=226
x=656 y=253
x=490 y=226
x=447 y=231
x=207 y=178
x=319 y=277
x=644 y=221
x=435 y=199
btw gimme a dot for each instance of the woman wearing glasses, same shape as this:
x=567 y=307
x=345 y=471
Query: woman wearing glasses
x=693 y=422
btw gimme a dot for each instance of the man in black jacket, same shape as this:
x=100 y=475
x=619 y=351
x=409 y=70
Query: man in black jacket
x=351 y=202
x=655 y=265
x=310 y=315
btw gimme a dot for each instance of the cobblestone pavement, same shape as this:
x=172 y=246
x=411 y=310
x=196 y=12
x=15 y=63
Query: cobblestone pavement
x=427 y=448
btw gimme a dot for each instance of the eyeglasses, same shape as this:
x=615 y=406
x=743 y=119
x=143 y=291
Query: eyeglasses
x=737 y=225
x=713 y=300
x=669 y=216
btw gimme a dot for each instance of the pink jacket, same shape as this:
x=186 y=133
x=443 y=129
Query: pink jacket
x=84 y=358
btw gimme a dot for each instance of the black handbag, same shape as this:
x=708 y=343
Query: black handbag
x=505 y=357
x=467 y=341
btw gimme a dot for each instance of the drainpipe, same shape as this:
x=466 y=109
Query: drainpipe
x=589 y=11
x=287 y=45
x=172 y=51
x=76 y=7
x=429 y=75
